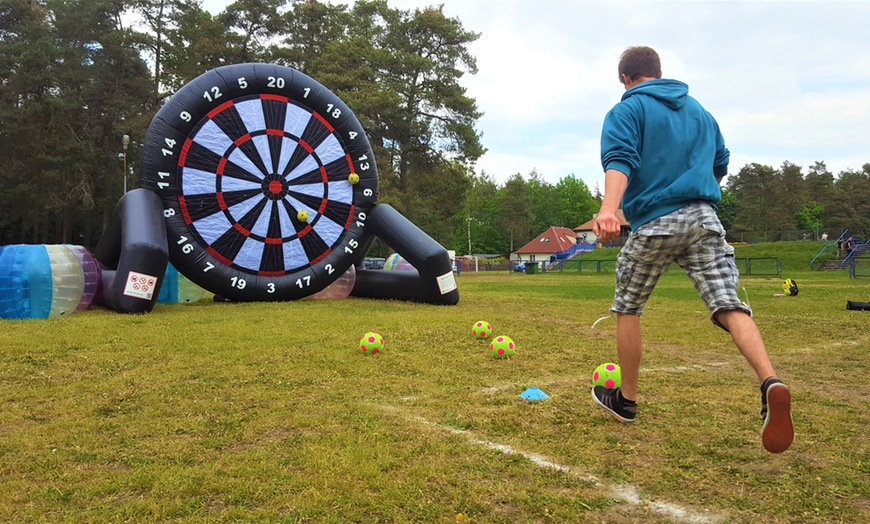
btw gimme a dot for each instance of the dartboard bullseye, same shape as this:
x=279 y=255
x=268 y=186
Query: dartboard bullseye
x=267 y=180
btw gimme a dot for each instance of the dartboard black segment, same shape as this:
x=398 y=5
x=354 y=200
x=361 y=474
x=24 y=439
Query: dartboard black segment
x=254 y=165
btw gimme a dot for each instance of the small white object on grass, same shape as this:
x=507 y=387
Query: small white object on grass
x=599 y=320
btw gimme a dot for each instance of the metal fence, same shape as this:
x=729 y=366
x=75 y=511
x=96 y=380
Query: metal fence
x=770 y=266
x=860 y=267
x=755 y=237
x=759 y=266
x=481 y=264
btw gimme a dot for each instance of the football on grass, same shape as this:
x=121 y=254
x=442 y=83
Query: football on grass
x=371 y=343
x=607 y=375
x=502 y=347
x=481 y=329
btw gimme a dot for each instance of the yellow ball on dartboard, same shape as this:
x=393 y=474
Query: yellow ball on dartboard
x=353 y=178
x=302 y=215
x=481 y=329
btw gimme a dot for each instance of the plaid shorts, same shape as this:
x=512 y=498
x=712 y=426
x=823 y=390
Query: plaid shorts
x=692 y=237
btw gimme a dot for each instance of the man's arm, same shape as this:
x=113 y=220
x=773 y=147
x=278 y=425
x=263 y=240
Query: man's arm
x=607 y=226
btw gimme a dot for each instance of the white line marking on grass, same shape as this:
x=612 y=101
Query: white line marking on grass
x=492 y=390
x=833 y=345
x=680 y=369
x=625 y=492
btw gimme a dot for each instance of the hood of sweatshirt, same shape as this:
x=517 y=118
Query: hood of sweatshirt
x=672 y=93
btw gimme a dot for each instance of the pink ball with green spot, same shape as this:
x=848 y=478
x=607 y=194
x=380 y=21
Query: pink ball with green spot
x=502 y=347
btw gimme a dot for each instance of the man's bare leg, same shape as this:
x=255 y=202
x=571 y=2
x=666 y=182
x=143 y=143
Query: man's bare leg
x=744 y=332
x=628 y=347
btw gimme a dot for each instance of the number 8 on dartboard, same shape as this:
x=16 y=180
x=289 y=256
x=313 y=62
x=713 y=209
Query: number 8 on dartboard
x=266 y=179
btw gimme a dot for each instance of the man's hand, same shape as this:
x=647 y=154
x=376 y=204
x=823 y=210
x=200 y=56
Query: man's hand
x=606 y=226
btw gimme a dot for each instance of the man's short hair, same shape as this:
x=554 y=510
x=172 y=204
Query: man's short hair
x=639 y=61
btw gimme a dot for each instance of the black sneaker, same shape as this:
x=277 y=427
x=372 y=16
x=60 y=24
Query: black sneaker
x=777 y=433
x=613 y=403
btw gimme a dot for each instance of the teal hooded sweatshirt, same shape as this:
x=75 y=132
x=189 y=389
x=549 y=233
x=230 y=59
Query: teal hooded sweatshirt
x=668 y=145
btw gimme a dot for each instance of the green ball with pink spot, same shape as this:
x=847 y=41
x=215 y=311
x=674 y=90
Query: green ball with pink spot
x=608 y=375
x=481 y=329
x=371 y=343
x=502 y=347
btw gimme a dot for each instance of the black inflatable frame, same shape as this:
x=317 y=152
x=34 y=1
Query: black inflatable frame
x=433 y=282
x=133 y=254
x=232 y=159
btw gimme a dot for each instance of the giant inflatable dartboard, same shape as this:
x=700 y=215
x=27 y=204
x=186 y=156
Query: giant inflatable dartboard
x=235 y=156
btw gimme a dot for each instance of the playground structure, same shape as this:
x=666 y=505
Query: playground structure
x=257 y=184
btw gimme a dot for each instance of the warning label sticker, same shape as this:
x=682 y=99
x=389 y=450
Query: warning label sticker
x=140 y=285
x=446 y=283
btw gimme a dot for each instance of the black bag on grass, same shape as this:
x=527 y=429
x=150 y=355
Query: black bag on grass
x=857 y=306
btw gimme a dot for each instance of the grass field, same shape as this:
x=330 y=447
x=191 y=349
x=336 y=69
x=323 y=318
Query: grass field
x=214 y=412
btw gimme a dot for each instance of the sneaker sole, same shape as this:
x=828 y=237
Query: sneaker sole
x=777 y=433
x=615 y=415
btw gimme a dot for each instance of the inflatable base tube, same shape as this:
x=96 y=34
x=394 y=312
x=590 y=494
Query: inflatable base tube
x=133 y=253
x=395 y=285
x=432 y=283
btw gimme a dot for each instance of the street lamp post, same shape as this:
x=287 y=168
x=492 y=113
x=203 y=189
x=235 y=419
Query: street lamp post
x=125 y=141
x=468 y=223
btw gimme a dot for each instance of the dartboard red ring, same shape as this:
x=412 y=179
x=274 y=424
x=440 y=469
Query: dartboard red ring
x=239 y=156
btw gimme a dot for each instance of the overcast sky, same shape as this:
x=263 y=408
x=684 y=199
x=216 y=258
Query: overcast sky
x=787 y=80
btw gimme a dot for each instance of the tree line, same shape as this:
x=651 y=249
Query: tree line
x=768 y=203
x=78 y=75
